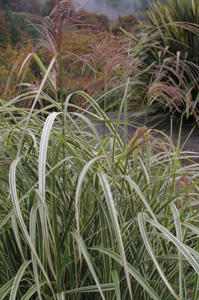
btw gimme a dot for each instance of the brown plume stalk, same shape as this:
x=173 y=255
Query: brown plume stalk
x=166 y=92
x=51 y=31
x=53 y=27
x=107 y=60
x=170 y=85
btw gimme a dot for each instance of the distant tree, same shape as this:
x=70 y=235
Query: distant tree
x=103 y=21
x=5 y=26
x=31 y=6
x=13 y=27
x=16 y=23
x=125 y=22
x=92 y=19
x=9 y=4
x=48 y=7
x=19 y=29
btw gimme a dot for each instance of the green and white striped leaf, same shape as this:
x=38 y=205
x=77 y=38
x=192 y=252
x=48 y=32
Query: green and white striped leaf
x=85 y=253
x=17 y=280
x=32 y=229
x=79 y=186
x=43 y=151
x=113 y=214
x=88 y=289
x=180 y=238
x=34 y=103
x=151 y=253
x=32 y=291
x=6 y=288
x=43 y=69
x=142 y=281
x=140 y=194
x=18 y=213
x=116 y=284
x=181 y=247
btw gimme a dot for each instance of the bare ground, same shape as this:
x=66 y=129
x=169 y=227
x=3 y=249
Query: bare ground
x=189 y=139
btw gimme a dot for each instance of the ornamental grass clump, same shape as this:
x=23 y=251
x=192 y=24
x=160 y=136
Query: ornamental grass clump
x=91 y=217
x=110 y=63
x=176 y=22
x=84 y=216
x=167 y=48
x=103 y=65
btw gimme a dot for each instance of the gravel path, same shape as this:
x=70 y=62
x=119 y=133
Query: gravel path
x=164 y=124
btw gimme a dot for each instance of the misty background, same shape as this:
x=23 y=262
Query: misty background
x=14 y=29
x=114 y=8
x=108 y=6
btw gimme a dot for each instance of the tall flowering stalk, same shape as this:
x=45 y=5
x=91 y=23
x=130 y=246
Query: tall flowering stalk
x=108 y=59
x=52 y=29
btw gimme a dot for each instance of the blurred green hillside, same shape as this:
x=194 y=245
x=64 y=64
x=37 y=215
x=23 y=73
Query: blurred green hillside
x=14 y=28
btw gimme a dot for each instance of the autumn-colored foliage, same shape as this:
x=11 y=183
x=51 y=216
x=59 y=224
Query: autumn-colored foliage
x=11 y=60
x=76 y=44
x=5 y=36
x=92 y=59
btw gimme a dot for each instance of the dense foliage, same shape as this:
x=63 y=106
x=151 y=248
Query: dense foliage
x=96 y=214
x=167 y=48
x=177 y=37
x=90 y=216
x=16 y=26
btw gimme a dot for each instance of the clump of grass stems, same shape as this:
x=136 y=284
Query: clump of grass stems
x=91 y=217
x=84 y=216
